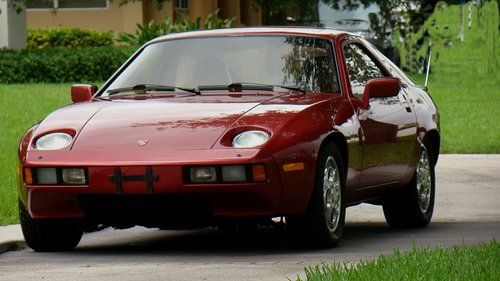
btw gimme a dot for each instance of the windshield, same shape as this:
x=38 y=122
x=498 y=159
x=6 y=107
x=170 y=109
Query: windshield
x=275 y=60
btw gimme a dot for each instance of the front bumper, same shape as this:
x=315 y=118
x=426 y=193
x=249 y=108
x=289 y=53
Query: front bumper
x=167 y=198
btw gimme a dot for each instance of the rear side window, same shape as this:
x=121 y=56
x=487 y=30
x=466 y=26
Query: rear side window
x=360 y=67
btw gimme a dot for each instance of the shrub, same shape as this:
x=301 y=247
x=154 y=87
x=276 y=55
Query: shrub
x=144 y=33
x=68 y=38
x=55 y=65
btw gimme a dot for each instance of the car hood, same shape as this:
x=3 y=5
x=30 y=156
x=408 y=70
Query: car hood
x=186 y=122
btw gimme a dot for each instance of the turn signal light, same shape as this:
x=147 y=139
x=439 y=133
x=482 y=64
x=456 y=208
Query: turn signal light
x=259 y=173
x=28 y=176
x=293 y=167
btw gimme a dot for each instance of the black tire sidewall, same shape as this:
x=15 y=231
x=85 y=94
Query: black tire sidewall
x=402 y=209
x=315 y=211
x=49 y=236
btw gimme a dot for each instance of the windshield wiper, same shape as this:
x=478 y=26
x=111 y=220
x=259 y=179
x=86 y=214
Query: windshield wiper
x=292 y=88
x=239 y=87
x=143 y=88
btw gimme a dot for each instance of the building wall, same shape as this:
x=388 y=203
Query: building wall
x=12 y=27
x=124 y=18
x=251 y=15
x=115 y=17
x=230 y=9
x=151 y=12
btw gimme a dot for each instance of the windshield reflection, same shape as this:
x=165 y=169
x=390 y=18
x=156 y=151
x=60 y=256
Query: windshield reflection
x=276 y=60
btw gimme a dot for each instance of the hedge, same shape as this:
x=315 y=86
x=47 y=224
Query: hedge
x=68 y=38
x=56 y=65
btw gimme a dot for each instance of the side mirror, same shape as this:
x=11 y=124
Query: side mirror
x=82 y=92
x=380 y=88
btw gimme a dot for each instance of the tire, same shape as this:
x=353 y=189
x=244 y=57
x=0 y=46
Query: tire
x=414 y=205
x=323 y=222
x=49 y=236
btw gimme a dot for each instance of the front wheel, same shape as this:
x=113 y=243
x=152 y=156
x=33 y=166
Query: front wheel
x=413 y=206
x=48 y=236
x=323 y=222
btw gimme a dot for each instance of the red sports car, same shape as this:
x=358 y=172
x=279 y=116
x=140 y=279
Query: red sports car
x=236 y=126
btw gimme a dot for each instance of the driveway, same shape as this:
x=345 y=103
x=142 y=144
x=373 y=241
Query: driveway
x=467 y=212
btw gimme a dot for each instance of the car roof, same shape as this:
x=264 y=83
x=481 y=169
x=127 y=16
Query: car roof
x=268 y=30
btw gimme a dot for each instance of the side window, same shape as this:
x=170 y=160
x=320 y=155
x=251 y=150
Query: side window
x=360 y=68
x=393 y=69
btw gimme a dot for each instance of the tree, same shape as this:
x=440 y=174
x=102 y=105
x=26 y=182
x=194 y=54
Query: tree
x=278 y=12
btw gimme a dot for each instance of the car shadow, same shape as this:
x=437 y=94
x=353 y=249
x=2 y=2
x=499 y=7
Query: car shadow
x=266 y=241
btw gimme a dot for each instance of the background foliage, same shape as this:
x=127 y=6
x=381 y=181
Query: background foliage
x=85 y=64
x=68 y=38
x=147 y=32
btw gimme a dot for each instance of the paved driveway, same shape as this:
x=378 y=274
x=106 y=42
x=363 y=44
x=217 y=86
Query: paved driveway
x=467 y=212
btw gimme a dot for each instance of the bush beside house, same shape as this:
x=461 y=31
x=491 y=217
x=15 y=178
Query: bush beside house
x=56 y=65
x=56 y=55
x=68 y=38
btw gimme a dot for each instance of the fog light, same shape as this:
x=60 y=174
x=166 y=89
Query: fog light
x=233 y=173
x=73 y=176
x=203 y=174
x=46 y=176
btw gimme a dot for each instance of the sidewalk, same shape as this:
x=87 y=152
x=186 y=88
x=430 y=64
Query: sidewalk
x=11 y=238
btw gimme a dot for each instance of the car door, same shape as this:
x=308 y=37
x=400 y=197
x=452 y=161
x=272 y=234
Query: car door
x=388 y=125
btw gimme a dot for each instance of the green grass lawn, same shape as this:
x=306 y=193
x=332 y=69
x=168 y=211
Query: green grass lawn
x=464 y=83
x=21 y=106
x=480 y=262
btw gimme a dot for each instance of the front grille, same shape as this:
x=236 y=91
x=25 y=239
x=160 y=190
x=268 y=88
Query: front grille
x=147 y=210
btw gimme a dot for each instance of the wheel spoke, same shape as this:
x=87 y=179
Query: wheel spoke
x=331 y=193
x=423 y=177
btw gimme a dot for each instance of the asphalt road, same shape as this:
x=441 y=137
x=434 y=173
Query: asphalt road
x=467 y=212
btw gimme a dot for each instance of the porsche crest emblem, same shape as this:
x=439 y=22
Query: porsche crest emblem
x=142 y=142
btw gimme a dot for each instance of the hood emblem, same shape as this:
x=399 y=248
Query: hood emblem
x=142 y=142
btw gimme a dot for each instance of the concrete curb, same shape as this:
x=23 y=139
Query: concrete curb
x=11 y=238
x=12 y=246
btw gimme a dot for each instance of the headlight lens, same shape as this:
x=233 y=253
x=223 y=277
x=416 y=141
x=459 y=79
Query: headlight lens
x=203 y=174
x=250 y=139
x=46 y=176
x=53 y=141
x=73 y=176
x=233 y=173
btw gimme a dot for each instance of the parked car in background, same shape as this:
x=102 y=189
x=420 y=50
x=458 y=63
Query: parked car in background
x=363 y=21
x=234 y=126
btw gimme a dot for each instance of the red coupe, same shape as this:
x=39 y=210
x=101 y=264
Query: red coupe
x=228 y=127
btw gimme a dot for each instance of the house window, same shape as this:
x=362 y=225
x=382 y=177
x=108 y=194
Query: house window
x=67 y=4
x=182 y=4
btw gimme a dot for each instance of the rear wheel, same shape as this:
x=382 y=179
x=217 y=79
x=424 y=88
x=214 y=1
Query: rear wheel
x=413 y=206
x=323 y=222
x=49 y=236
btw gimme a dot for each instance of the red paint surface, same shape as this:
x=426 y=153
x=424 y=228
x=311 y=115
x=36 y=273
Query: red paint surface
x=380 y=141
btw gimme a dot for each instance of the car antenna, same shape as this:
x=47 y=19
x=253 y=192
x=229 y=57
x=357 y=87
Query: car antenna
x=427 y=70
